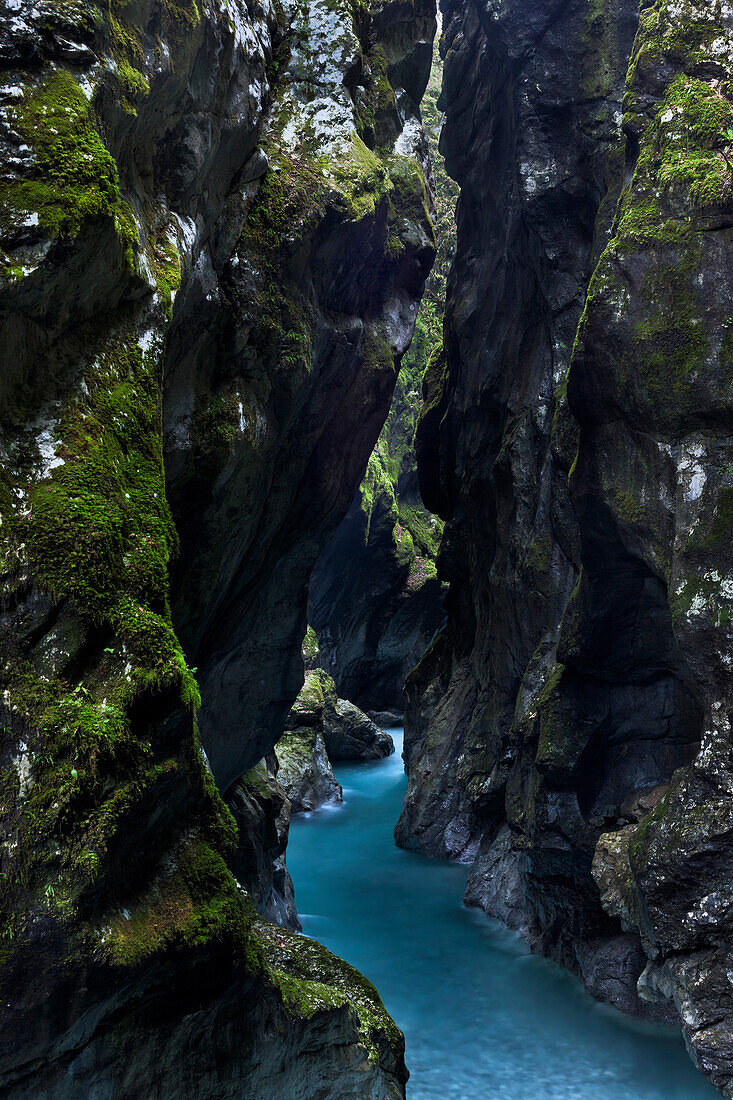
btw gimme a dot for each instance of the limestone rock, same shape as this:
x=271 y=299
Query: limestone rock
x=347 y=733
x=571 y=723
x=575 y=438
x=351 y=735
x=374 y=596
x=261 y=808
x=304 y=770
x=199 y=310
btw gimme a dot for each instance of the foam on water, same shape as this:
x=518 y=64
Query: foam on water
x=482 y=1017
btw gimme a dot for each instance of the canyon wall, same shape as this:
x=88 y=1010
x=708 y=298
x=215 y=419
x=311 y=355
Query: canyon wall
x=568 y=733
x=374 y=597
x=214 y=232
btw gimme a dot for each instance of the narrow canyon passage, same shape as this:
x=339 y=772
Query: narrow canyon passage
x=482 y=1017
x=337 y=392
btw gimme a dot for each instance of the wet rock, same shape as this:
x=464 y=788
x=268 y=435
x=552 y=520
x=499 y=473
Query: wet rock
x=351 y=735
x=376 y=617
x=496 y=883
x=261 y=809
x=374 y=596
x=385 y=719
x=346 y=732
x=304 y=770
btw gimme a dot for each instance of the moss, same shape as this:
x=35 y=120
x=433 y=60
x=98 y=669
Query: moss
x=679 y=179
x=134 y=86
x=425 y=529
x=99 y=529
x=539 y=554
x=422 y=570
x=682 y=168
x=375 y=105
x=311 y=696
x=167 y=268
x=195 y=902
x=408 y=200
x=74 y=177
x=377 y=489
x=179 y=19
x=671 y=340
x=127 y=232
x=257 y=782
x=287 y=208
x=295 y=750
x=218 y=424
x=311 y=980
x=435 y=381
x=361 y=180
x=404 y=546
x=98 y=537
x=601 y=52
x=309 y=648
x=558 y=743
x=694 y=123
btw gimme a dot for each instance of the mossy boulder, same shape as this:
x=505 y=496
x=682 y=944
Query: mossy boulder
x=304 y=770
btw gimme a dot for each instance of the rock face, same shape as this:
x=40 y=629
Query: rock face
x=542 y=85
x=374 y=596
x=261 y=808
x=569 y=730
x=344 y=731
x=210 y=260
x=351 y=735
x=304 y=770
x=299 y=321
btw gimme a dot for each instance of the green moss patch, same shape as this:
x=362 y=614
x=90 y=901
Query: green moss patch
x=74 y=177
x=312 y=980
x=195 y=902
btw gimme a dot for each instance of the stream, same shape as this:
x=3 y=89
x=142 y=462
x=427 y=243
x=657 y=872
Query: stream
x=482 y=1017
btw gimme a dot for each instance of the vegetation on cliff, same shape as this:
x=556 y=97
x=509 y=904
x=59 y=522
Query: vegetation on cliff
x=153 y=210
x=375 y=619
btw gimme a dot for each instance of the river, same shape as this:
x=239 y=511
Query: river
x=483 y=1018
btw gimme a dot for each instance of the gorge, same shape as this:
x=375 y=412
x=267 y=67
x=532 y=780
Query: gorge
x=240 y=505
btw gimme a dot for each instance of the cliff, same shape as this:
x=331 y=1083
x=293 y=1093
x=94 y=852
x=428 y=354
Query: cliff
x=213 y=236
x=568 y=732
x=374 y=598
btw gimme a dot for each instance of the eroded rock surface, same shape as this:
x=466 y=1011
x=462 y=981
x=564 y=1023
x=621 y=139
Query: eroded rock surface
x=213 y=237
x=570 y=728
x=261 y=808
x=346 y=732
x=374 y=596
x=304 y=771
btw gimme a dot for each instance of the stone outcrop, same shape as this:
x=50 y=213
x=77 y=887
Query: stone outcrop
x=304 y=770
x=345 y=731
x=542 y=87
x=569 y=730
x=213 y=236
x=261 y=808
x=352 y=735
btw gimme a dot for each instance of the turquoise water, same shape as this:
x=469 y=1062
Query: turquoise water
x=483 y=1019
